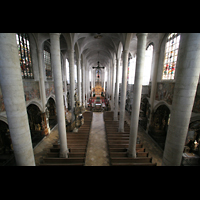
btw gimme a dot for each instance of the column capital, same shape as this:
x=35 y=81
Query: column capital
x=125 y=51
x=141 y=34
x=58 y=34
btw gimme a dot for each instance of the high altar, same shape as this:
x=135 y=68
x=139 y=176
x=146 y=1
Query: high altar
x=98 y=91
x=98 y=98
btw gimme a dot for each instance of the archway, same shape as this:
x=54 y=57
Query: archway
x=35 y=123
x=144 y=113
x=6 y=149
x=159 y=125
x=52 y=112
x=193 y=138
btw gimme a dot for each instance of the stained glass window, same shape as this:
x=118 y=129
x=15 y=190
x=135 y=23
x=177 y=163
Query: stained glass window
x=171 y=53
x=47 y=62
x=24 y=55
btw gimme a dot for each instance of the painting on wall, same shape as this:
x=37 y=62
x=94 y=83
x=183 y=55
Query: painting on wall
x=165 y=92
x=49 y=88
x=31 y=90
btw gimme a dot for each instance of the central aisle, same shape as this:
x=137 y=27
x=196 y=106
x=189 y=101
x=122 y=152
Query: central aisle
x=97 y=153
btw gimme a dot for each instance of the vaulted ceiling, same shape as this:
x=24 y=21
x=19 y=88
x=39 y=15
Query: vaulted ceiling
x=103 y=46
x=98 y=46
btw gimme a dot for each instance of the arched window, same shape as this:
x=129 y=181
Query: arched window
x=147 y=65
x=24 y=55
x=47 y=61
x=90 y=76
x=75 y=73
x=105 y=74
x=132 y=70
x=171 y=53
x=67 y=71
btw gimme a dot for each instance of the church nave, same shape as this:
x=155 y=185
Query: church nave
x=97 y=153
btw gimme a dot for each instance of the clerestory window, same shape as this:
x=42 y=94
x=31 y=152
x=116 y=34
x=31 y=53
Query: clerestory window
x=171 y=54
x=23 y=44
x=47 y=62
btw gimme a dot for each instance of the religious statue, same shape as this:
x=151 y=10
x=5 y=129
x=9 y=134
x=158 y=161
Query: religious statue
x=78 y=110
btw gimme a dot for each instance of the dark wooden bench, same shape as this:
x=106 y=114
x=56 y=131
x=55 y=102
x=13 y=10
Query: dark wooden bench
x=124 y=154
x=134 y=164
x=77 y=146
x=71 y=149
x=125 y=149
x=118 y=144
x=116 y=130
x=67 y=161
x=131 y=160
x=108 y=115
x=70 y=155
x=60 y=164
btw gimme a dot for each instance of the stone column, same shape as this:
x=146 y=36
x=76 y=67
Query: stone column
x=72 y=82
x=92 y=78
x=108 y=82
x=13 y=97
x=42 y=75
x=86 y=84
x=187 y=76
x=113 y=86
x=79 y=79
x=65 y=80
x=141 y=45
x=56 y=65
x=116 y=91
x=83 y=78
x=123 y=90
x=155 y=60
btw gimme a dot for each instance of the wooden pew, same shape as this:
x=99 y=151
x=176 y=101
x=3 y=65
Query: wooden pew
x=135 y=164
x=70 y=155
x=118 y=144
x=71 y=161
x=125 y=149
x=77 y=146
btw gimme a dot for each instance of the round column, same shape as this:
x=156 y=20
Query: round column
x=123 y=91
x=116 y=91
x=79 y=79
x=141 y=45
x=56 y=64
x=187 y=76
x=13 y=96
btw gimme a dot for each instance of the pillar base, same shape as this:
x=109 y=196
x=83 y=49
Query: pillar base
x=120 y=130
x=64 y=154
x=131 y=155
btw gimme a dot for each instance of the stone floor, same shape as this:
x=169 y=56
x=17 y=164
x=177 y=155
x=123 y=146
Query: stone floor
x=43 y=147
x=97 y=152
